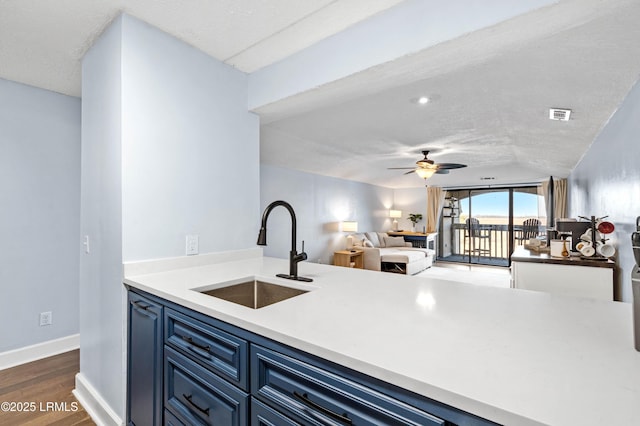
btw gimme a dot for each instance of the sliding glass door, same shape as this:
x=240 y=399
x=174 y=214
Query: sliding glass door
x=482 y=226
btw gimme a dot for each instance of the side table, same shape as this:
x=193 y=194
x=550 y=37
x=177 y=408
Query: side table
x=348 y=258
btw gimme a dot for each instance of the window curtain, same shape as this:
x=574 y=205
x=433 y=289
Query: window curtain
x=544 y=191
x=555 y=199
x=435 y=202
x=560 y=197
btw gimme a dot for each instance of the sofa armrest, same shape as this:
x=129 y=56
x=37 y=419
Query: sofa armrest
x=371 y=258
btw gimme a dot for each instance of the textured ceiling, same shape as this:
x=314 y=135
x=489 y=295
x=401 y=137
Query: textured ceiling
x=491 y=91
x=42 y=42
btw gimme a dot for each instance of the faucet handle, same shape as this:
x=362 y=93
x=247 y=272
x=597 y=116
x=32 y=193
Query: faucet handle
x=302 y=255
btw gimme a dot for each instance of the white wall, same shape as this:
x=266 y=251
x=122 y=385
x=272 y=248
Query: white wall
x=607 y=182
x=101 y=308
x=411 y=200
x=320 y=202
x=39 y=213
x=168 y=149
x=190 y=149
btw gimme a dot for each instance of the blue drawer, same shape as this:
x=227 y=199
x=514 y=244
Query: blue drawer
x=263 y=415
x=314 y=396
x=171 y=420
x=216 y=350
x=195 y=396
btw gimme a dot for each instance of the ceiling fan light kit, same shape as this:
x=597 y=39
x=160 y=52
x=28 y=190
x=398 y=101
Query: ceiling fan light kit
x=427 y=167
x=425 y=173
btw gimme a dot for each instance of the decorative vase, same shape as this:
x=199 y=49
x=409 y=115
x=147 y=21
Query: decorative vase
x=413 y=228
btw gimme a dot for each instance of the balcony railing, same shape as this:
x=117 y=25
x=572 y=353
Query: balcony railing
x=485 y=242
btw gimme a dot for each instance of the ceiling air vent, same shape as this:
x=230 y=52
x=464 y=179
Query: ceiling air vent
x=559 y=114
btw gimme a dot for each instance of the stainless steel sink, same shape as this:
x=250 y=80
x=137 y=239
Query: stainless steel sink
x=254 y=293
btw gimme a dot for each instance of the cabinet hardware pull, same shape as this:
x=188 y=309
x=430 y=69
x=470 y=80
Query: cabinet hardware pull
x=141 y=306
x=191 y=342
x=305 y=399
x=202 y=410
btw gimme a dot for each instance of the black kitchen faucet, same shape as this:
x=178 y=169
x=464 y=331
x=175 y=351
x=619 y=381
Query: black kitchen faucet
x=294 y=256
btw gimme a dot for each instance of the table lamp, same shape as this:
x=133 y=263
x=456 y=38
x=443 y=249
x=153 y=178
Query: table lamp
x=395 y=215
x=349 y=227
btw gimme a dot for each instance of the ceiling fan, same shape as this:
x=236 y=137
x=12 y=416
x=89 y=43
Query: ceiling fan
x=427 y=167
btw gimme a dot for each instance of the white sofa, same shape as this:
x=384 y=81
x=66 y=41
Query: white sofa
x=391 y=254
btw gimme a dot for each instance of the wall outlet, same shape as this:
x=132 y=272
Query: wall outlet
x=46 y=318
x=192 y=245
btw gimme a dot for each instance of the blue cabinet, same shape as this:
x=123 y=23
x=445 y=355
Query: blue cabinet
x=144 y=378
x=215 y=373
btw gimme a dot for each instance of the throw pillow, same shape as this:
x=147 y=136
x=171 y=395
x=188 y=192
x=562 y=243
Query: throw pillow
x=373 y=237
x=381 y=237
x=367 y=243
x=394 y=242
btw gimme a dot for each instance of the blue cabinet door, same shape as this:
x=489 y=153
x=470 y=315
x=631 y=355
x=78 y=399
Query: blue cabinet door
x=144 y=378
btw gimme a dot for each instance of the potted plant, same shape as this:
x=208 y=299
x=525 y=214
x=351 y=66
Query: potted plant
x=414 y=218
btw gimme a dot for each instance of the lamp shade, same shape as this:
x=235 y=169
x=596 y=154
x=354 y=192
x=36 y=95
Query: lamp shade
x=349 y=226
x=425 y=173
x=395 y=214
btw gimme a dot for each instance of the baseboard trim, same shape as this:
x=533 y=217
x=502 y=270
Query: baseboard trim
x=93 y=403
x=38 y=351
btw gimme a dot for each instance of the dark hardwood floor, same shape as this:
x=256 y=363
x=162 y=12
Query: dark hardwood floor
x=42 y=390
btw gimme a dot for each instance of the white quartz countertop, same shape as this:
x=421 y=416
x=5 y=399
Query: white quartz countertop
x=512 y=356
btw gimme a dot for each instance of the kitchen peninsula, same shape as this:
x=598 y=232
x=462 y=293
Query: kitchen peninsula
x=512 y=357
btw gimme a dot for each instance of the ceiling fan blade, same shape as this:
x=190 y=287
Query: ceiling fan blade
x=447 y=166
x=428 y=164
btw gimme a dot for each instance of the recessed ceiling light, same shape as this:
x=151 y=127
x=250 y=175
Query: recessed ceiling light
x=421 y=100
